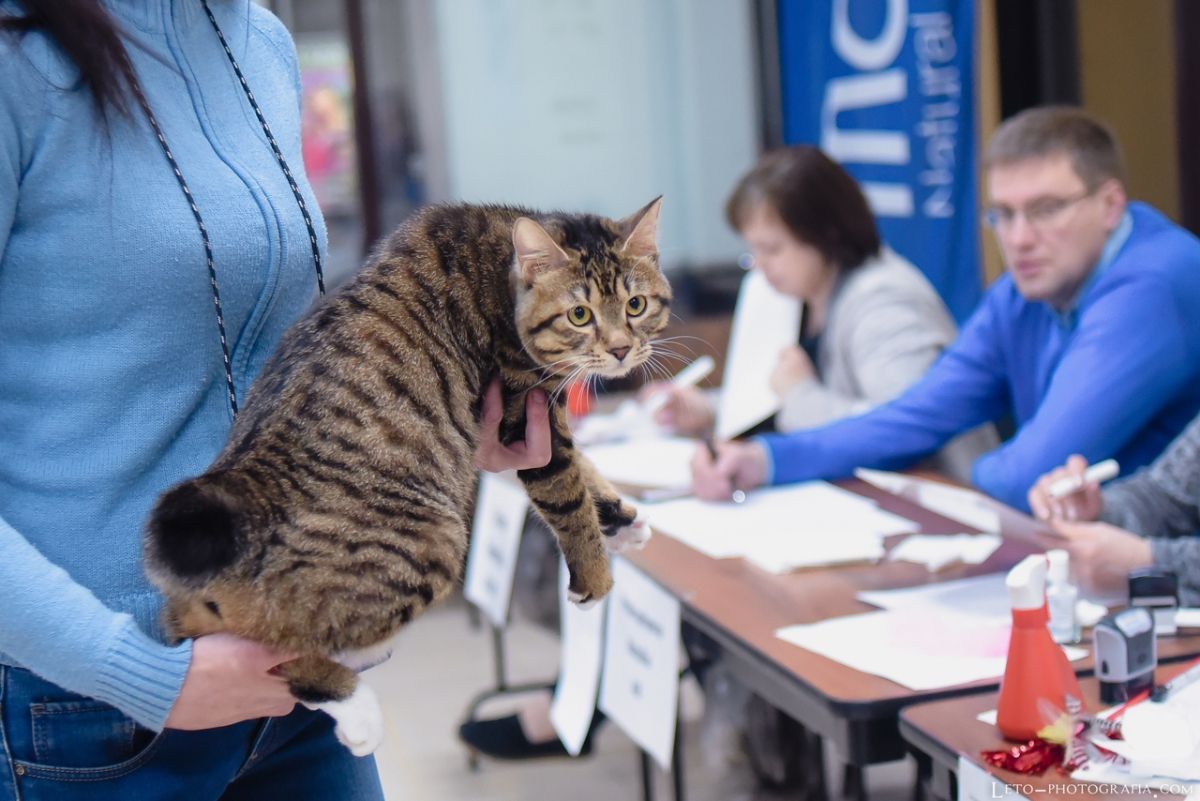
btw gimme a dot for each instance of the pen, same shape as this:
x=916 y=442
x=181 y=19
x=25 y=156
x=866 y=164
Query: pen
x=737 y=496
x=687 y=377
x=1099 y=473
x=1165 y=691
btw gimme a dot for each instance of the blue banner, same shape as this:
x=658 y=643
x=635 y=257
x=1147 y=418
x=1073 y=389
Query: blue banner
x=886 y=88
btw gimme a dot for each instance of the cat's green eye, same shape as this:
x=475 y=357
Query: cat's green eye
x=635 y=305
x=580 y=315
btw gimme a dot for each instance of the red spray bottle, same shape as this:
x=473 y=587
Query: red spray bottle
x=1036 y=668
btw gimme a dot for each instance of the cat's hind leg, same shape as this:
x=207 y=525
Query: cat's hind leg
x=325 y=685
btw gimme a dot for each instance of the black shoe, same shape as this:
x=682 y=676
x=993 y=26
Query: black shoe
x=503 y=738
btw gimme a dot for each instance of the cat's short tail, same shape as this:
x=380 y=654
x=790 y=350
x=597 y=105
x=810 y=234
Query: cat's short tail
x=196 y=530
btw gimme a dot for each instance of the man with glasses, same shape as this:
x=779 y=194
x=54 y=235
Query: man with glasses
x=1090 y=342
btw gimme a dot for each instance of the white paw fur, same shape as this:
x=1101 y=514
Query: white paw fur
x=630 y=538
x=359 y=720
x=577 y=599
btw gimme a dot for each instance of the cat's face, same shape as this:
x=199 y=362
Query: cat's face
x=591 y=298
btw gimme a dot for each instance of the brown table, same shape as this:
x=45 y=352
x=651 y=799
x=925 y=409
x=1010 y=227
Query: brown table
x=939 y=732
x=739 y=607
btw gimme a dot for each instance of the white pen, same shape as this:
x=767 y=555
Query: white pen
x=1099 y=473
x=687 y=377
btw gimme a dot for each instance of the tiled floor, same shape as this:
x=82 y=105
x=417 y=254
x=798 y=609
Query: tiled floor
x=441 y=662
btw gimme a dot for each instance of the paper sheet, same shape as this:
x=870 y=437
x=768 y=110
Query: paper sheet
x=764 y=323
x=782 y=528
x=966 y=506
x=913 y=647
x=936 y=551
x=982 y=597
x=664 y=462
x=579 y=667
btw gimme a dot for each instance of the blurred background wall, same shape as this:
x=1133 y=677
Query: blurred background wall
x=600 y=105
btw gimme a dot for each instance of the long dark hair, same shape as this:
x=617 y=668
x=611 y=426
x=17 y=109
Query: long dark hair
x=89 y=36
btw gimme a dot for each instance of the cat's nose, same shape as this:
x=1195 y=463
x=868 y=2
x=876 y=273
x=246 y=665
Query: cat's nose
x=620 y=353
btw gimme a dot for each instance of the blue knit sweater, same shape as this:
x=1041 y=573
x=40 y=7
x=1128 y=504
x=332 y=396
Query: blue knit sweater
x=1116 y=376
x=111 y=382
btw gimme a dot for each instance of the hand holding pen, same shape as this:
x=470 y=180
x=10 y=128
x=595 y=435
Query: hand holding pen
x=1072 y=492
x=728 y=470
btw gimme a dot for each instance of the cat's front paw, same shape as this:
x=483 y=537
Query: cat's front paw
x=586 y=588
x=584 y=602
x=359 y=720
x=632 y=537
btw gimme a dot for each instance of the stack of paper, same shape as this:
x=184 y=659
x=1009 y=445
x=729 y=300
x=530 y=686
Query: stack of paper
x=782 y=528
x=1160 y=743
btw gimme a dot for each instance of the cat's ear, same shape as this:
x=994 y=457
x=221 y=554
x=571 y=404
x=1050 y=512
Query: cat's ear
x=536 y=250
x=641 y=231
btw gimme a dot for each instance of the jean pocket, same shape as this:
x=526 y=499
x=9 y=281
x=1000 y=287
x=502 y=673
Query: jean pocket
x=84 y=734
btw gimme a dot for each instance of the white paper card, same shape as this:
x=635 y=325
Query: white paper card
x=764 y=323
x=495 y=538
x=976 y=784
x=579 y=667
x=640 y=688
x=649 y=462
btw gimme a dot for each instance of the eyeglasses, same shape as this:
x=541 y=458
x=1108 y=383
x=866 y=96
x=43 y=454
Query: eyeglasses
x=1038 y=214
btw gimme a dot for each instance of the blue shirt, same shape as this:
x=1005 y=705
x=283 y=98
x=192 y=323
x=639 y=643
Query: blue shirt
x=1114 y=377
x=111 y=379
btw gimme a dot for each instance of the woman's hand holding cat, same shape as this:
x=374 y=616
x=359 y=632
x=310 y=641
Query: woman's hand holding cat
x=738 y=466
x=493 y=455
x=230 y=680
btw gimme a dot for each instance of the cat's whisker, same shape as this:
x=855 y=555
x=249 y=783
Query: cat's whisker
x=659 y=368
x=558 y=391
x=679 y=340
x=667 y=353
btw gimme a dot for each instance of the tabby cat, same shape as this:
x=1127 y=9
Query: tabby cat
x=340 y=506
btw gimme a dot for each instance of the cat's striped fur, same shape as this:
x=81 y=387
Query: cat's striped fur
x=339 y=508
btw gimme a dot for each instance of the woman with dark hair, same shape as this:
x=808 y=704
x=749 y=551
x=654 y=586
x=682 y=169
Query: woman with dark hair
x=157 y=236
x=872 y=323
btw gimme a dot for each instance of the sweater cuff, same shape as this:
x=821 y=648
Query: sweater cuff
x=141 y=676
x=768 y=458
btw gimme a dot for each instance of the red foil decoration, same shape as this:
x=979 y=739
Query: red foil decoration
x=1031 y=758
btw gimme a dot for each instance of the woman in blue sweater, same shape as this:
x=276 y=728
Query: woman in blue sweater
x=115 y=384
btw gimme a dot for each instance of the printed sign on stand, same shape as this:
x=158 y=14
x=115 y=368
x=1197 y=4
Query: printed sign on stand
x=495 y=538
x=640 y=688
x=579 y=667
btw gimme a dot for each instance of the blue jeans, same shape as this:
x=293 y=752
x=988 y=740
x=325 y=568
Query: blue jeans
x=58 y=745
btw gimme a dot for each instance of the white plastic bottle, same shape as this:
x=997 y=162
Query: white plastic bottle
x=1061 y=596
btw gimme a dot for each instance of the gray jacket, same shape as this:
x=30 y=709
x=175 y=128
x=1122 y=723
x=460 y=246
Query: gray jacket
x=885 y=326
x=1162 y=503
